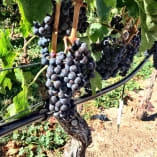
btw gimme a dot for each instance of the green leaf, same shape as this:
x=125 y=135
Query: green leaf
x=97 y=31
x=32 y=10
x=25 y=28
x=103 y=10
x=131 y=7
x=28 y=76
x=111 y=3
x=147 y=37
x=7 y=83
x=2 y=90
x=20 y=103
x=19 y=76
x=5 y=45
x=96 y=83
x=7 y=55
x=97 y=56
x=150 y=7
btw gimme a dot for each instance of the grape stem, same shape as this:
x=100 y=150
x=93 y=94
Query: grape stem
x=134 y=30
x=77 y=5
x=106 y=25
x=55 y=27
x=73 y=36
x=37 y=75
x=29 y=41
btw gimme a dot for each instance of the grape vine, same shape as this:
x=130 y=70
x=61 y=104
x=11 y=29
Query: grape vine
x=82 y=43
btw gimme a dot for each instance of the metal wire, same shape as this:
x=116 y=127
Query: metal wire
x=20 y=67
x=11 y=126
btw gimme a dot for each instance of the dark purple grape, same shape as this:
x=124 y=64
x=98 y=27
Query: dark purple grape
x=73 y=68
x=69 y=61
x=54 y=77
x=64 y=108
x=53 y=99
x=58 y=104
x=44 y=50
x=52 y=61
x=75 y=87
x=77 y=80
x=57 y=84
x=72 y=76
x=51 y=107
x=66 y=79
x=44 y=61
x=56 y=114
x=64 y=101
x=57 y=70
x=47 y=19
x=56 y=108
x=64 y=72
x=58 y=61
x=41 y=30
x=35 y=31
x=61 y=94
x=48 y=83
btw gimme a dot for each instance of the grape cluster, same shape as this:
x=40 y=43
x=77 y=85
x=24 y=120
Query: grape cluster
x=66 y=74
x=44 y=31
x=116 y=56
x=65 y=24
x=112 y=54
x=67 y=11
x=117 y=23
x=130 y=51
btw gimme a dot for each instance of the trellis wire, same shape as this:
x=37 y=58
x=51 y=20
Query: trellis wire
x=20 y=67
x=18 y=114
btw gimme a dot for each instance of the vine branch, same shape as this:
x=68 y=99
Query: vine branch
x=37 y=75
x=134 y=30
x=29 y=41
x=73 y=36
x=55 y=27
x=77 y=5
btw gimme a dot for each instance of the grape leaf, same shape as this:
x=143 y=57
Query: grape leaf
x=19 y=76
x=7 y=55
x=20 y=103
x=28 y=76
x=96 y=83
x=131 y=7
x=111 y=3
x=147 y=36
x=32 y=10
x=103 y=10
x=5 y=45
x=150 y=7
x=6 y=83
x=97 y=31
x=25 y=28
x=91 y=4
x=97 y=56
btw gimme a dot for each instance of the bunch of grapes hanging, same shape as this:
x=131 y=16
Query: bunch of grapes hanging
x=72 y=68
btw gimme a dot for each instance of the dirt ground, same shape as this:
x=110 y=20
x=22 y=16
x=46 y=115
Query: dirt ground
x=135 y=138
